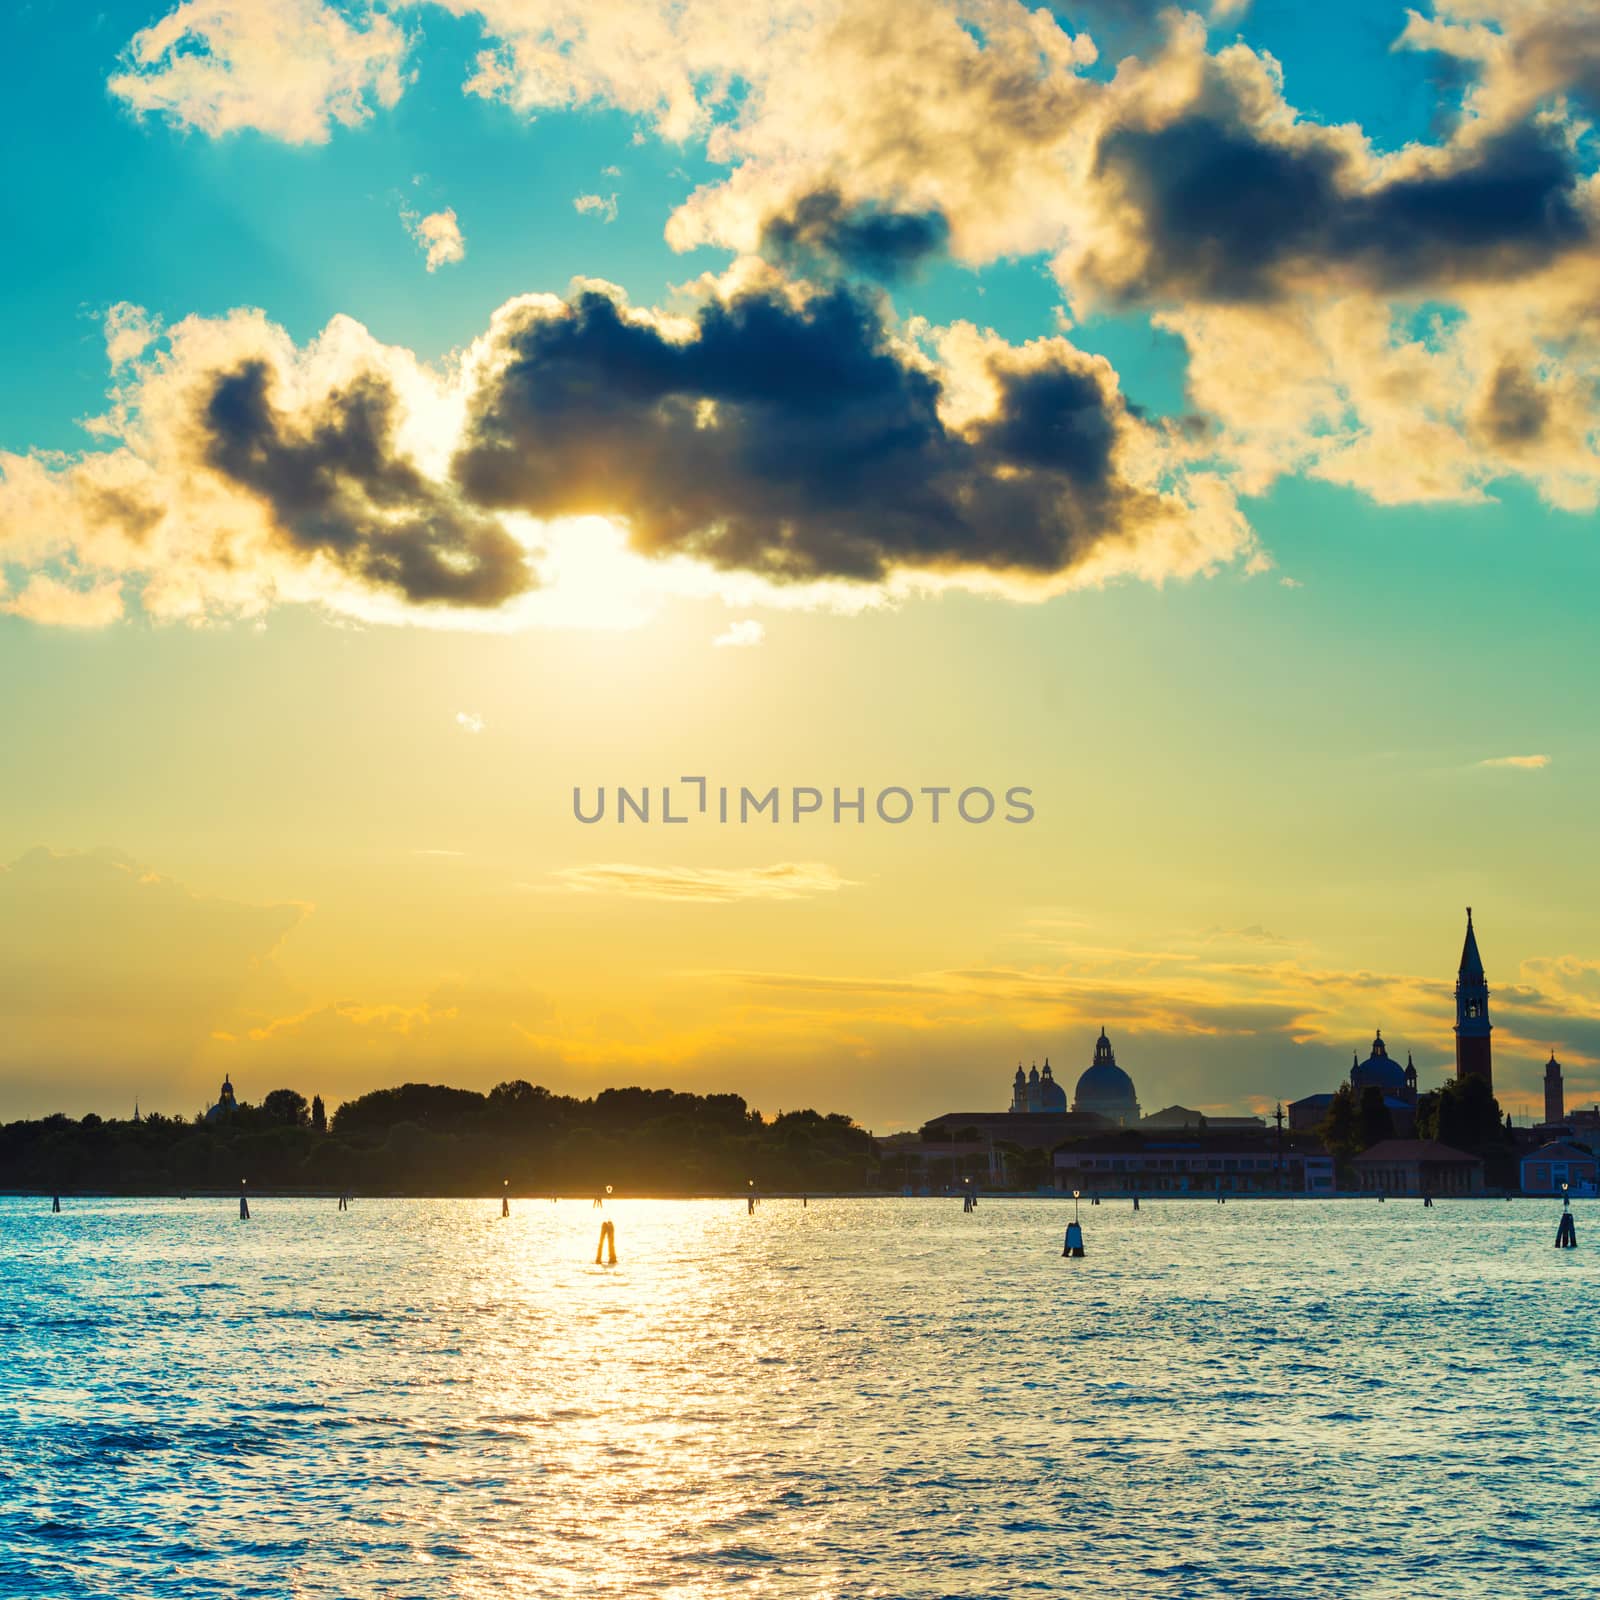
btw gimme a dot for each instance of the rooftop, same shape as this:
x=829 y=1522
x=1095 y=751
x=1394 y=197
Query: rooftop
x=1560 y=1150
x=1414 y=1150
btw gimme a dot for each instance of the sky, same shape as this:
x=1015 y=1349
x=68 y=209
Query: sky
x=417 y=414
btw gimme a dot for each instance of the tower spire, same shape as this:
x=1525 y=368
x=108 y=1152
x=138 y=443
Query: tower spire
x=1473 y=1055
x=1471 y=961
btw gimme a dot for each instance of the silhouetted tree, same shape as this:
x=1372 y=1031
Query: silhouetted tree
x=1375 y=1120
x=422 y=1103
x=319 y=1116
x=287 y=1106
x=1341 y=1131
x=1464 y=1114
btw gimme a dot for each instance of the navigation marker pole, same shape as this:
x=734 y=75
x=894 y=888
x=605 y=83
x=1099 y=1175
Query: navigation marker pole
x=1074 y=1242
x=1567 y=1232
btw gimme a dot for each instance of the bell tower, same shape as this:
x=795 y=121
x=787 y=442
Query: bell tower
x=1472 y=1013
x=1555 y=1098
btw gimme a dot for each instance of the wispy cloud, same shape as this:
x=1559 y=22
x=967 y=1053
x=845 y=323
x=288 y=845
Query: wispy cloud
x=1253 y=934
x=747 y=631
x=783 y=880
x=603 y=206
x=1520 y=763
x=470 y=722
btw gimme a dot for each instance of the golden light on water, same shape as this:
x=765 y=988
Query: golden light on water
x=820 y=1401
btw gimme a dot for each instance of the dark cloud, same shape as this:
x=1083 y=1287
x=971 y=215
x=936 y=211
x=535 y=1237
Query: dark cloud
x=1515 y=410
x=1230 y=216
x=821 y=230
x=794 y=442
x=336 y=485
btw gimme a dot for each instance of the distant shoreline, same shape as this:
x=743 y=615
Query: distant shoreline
x=543 y=1197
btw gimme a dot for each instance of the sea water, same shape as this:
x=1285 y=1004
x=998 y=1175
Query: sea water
x=853 y=1398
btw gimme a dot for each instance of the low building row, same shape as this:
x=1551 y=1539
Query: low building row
x=1206 y=1163
x=1193 y=1166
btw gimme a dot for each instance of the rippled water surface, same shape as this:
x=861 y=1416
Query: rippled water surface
x=416 y=1398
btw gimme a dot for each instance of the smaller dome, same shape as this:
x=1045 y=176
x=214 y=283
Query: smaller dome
x=1378 y=1071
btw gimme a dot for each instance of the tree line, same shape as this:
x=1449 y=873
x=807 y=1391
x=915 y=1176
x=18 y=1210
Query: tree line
x=430 y=1139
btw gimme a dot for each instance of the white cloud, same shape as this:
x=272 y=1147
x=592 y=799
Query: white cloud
x=1407 y=411
x=470 y=722
x=602 y=206
x=54 y=604
x=289 y=68
x=439 y=234
x=130 y=331
x=741 y=634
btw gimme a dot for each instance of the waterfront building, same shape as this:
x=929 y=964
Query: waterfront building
x=1037 y=1118
x=1418 y=1167
x=1555 y=1097
x=1191 y=1166
x=1473 y=1026
x=1105 y=1090
x=1307 y=1114
x=1038 y=1092
x=226 y=1104
x=1585 y=1123
x=1176 y=1118
x=1396 y=1084
x=1543 y=1171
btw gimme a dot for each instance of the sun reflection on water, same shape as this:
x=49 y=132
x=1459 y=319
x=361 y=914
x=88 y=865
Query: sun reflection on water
x=853 y=1398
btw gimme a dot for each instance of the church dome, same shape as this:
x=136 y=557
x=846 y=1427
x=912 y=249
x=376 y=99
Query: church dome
x=1379 y=1071
x=1104 y=1088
